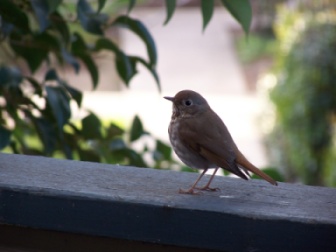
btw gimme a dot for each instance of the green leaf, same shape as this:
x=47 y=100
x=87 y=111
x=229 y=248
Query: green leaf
x=5 y=136
x=41 y=10
x=135 y=159
x=91 y=127
x=34 y=49
x=164 y=149
x=101 y=4
x=88 y=155
x=92 y=67
x=113 y=131
x=51 y=75
x=139 y=29
x=149 y=68
x=130 y=6
x=89 y=19
x=10 y=76
x=75 y=93
x=78 y=45
x=10 y=13
x=32 y=56
x=47 y=133
x=125 y=68
x=241 y=11
x=80 y=50
x=117 y=144
x=124 y=65
x=60 y=25
x=207 y=7
x=137 y=129
x=53 y=4
x=59 y=103
x=6 y=28
x=70 y=59
x=170 y=8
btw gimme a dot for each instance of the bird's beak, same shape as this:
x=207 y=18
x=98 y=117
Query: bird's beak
x=169 y=98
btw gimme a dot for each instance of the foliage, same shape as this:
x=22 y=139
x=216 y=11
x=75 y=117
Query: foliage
x=255 y=47
x=305 y=95
x=48 y=35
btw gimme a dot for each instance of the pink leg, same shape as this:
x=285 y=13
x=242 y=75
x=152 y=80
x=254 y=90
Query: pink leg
x=207 y=186
x=191 y=189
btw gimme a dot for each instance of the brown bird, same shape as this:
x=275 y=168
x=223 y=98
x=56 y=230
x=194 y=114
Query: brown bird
x=201 y=140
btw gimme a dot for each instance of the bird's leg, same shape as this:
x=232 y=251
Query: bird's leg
x=191 y=189
x=207 y=186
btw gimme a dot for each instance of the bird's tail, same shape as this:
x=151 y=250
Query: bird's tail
x=242 y=161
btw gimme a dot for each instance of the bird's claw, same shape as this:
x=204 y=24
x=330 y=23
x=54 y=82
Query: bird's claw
x=189 y=191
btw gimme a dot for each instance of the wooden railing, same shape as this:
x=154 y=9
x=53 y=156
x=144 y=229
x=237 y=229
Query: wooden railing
x=58 y=205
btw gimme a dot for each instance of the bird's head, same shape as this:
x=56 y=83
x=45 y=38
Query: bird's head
x=188 y=103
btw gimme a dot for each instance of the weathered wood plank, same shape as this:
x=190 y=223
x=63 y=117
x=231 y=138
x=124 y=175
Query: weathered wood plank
x=143 y=205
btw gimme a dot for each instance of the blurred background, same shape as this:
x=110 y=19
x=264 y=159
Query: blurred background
x=274 y=88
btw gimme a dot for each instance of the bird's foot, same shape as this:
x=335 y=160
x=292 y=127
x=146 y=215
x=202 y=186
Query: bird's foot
x=188 y=191
x=208 y=188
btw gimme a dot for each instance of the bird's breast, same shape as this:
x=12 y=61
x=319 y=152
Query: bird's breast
x=187 y=155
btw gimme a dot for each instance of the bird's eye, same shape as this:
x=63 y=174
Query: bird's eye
x=188 y=102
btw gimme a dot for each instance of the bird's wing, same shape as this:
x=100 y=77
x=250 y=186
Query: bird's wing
x=210 y=139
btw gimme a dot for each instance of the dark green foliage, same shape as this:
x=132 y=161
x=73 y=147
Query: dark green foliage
x=170 y=7
x=305 y=100
x=50 y=39
x=49 y=35
x=241 y=11
x=207 y=11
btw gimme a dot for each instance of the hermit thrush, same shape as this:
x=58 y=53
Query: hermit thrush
x=202 y=141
